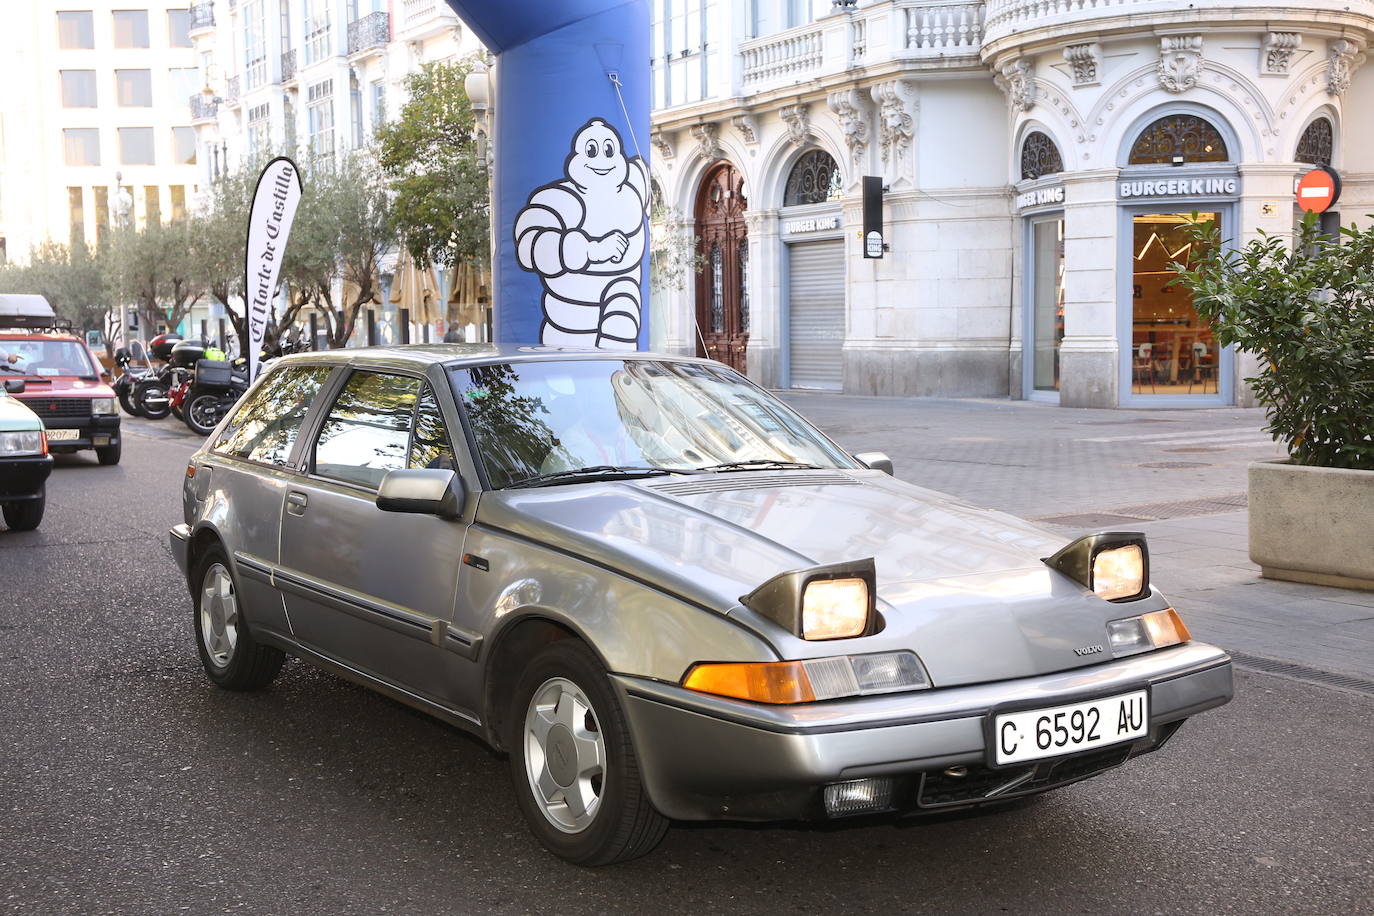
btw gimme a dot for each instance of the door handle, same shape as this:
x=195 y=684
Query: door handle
x=296 y=502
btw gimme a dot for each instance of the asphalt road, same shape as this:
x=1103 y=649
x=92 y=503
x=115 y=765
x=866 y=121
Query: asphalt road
x=128 y=784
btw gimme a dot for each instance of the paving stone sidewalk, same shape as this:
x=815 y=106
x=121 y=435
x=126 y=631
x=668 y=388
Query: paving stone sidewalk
x=1177 y=475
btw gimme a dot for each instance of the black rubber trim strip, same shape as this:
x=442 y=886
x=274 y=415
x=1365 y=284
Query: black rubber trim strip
x=253 y=569
x=416 y=626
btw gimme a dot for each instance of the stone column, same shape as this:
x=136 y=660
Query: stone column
x=1089 y=356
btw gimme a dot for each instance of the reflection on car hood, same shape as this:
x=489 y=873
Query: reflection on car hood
x=964 y=587
x=716 y=537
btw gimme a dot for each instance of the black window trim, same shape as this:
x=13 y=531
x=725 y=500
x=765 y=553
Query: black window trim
x=290 y=464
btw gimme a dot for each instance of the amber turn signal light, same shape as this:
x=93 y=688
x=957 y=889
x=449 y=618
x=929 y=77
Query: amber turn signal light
x=759 y=682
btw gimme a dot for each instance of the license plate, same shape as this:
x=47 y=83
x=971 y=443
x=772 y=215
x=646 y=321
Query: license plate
x=1052 y=732
x=100 y=440
x=63 y=435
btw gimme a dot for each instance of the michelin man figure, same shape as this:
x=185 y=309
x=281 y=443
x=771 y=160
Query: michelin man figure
x=585 y=235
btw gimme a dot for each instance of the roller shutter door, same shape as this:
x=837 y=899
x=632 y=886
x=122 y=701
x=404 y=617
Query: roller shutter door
x=816 y=314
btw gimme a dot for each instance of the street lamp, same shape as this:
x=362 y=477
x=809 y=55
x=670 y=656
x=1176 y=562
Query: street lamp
x=477 y=85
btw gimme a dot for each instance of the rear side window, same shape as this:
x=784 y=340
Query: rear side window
x=264 y=428
x=367 y=432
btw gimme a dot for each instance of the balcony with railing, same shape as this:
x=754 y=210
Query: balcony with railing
x=231 y=90
x=288 y=66
x=423 y=18
x=203 y=108
x=1012 y=23
x=369 y=33
x=202 y=17
x=940 y=33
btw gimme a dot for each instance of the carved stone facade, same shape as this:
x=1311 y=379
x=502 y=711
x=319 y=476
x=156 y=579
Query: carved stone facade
x=708 y=141
x=851 y=110
x=1341 y=60
x=661 y=146
x=1084 y=61
x=896 y=123
x=1180 y=62
x=797 y=117
x=1276 y=52
x=1018 y=81
x=748 y=127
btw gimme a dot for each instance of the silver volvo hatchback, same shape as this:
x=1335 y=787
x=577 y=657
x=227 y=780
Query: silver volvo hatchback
x=665 y=594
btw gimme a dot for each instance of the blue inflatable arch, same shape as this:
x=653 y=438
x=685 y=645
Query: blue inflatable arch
x=570 y=186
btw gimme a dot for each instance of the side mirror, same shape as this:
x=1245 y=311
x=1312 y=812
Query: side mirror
x=878 y=461
x=421 y=491
x=105 y=375
x=14 y=386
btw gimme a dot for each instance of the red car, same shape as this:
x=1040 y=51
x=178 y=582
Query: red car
x=64 y=385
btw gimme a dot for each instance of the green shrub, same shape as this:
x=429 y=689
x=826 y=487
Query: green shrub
x=1305 y=307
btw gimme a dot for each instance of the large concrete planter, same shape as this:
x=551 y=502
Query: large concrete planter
x=1311 y=524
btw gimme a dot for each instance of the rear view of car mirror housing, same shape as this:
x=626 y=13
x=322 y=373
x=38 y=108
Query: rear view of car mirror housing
x=878 y=461
x=14 y=386
x=422 y=491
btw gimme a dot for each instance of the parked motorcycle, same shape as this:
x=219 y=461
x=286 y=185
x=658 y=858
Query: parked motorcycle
x=151 y=395
x=217 y=384
x=133 y=365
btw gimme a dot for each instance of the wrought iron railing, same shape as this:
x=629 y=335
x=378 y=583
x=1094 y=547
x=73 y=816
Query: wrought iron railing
x=231 y=90
x=288 y=66
x=370 y=31
x=203 y=108
x=202 y=16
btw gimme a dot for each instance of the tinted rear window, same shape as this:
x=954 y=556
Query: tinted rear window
x=264 y=428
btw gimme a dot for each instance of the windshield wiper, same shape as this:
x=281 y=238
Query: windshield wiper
x=596 y=472
x=762 y=464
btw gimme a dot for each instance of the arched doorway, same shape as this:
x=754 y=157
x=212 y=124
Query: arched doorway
x=722 y=313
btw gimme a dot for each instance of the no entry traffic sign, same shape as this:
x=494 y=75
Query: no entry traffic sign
x=1318 y=190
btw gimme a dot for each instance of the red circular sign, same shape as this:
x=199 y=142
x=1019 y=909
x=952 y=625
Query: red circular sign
x=1317 y=190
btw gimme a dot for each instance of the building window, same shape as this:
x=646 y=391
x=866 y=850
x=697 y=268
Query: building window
x=258 y=129
x=134 y=88
x=378 y=104
x=1316 y=143
x=1177 y=139
x=184 y=145
x=717 y=289
x=76 y=215
x=102 y=213
x=355 y=103
x=680 y=51
x=182 y=82
x=152 y=198
x=179 y=28
x=815 y=179
x=130 y=28
x=319 y=112
x=254 y=44
x=136 y=145
x=78 y=89
x=1039 y=156
x=178 y=202
x=743 y=262
x=75 y=30
x=289 y=122
x=798 y=13
x=81 y=145
x=317 y=31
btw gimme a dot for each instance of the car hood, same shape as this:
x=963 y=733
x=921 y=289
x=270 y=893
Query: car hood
x=964 y=587
x=15 y=417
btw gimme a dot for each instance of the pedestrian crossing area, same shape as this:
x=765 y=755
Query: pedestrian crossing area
x=1236 y=437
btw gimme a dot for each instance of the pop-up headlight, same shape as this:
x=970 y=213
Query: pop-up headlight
x=823 y=602
x=1115 y=565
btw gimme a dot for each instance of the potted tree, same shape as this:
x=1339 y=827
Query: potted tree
x=1305 y=308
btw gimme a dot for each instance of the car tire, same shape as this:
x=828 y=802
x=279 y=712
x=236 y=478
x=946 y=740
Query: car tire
x=607 y=818
x=232 y=658
x=26 y=515
x=109 y=454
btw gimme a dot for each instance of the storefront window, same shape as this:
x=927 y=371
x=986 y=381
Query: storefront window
x=1172 y=350
x=1047 y=317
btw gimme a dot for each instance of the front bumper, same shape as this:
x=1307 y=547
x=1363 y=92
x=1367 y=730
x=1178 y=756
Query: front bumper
x=91 y=432
x=22 y=478
x=705 y=757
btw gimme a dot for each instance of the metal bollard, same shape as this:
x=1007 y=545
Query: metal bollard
x=404 y=317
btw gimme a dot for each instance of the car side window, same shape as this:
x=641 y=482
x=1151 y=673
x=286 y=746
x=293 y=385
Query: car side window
x=264 y=428
x=367 y=431
x=429 y=446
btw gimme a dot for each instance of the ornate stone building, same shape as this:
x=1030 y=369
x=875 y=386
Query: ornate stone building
x=1042 y=161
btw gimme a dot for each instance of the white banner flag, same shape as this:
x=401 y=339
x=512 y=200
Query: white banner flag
x=269 y=224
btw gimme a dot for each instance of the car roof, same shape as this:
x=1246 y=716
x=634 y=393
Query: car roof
x=455 y=356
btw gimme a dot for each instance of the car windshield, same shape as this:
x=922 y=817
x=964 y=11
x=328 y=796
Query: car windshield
x=584 y=419
x=47 y=358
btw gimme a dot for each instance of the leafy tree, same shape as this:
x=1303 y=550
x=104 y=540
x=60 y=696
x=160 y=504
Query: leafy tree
x=156 y=268
x=1307 y=310
x=342 y=230
x=71 y=278
x=429 y=155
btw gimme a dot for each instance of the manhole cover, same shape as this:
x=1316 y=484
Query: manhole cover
x=1176 y=450
x=1171 y=465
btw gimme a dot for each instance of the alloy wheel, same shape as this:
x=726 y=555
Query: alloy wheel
x=219 y=615
x=565 y=755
